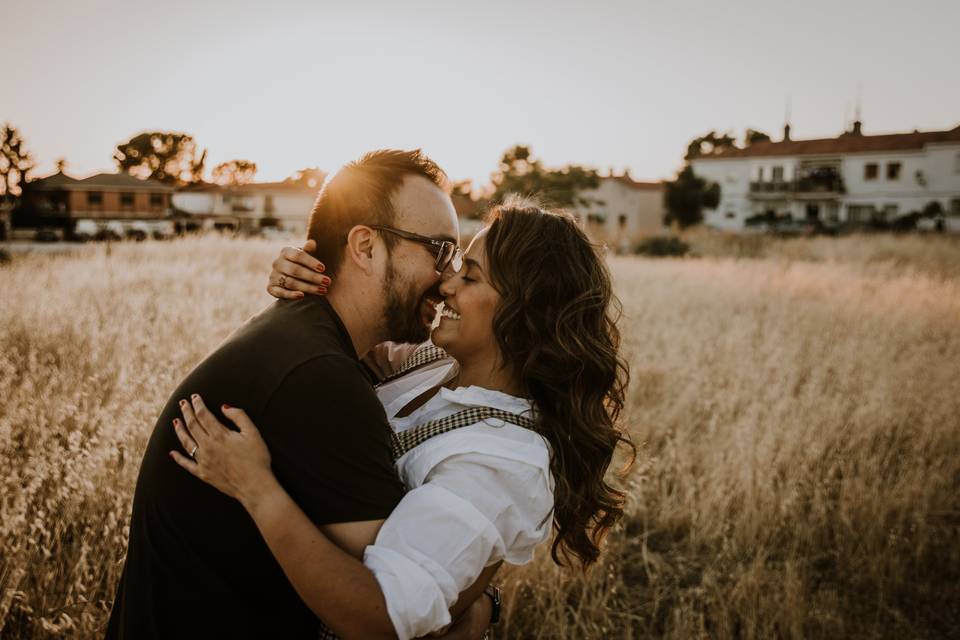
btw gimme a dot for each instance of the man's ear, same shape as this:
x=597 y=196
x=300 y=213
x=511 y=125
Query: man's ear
x=361 y=243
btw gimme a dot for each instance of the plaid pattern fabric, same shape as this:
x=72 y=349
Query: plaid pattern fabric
x=326 y=634
x=425 y=354
x=404 y=441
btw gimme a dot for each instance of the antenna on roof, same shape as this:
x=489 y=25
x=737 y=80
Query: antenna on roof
x=859 y=100
x=858 y=123
x=786 y=121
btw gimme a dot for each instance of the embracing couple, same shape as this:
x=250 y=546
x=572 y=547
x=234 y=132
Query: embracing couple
x=334 y=469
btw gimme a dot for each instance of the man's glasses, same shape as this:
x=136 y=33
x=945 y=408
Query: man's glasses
x=446 y=252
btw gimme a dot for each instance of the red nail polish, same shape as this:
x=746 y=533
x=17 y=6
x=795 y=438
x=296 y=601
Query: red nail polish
x=226 y=406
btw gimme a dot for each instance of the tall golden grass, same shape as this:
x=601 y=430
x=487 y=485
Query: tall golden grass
x=798 y=415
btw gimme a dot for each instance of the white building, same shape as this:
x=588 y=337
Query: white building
x=621 y=211
x=853 y=178
x=251 y=207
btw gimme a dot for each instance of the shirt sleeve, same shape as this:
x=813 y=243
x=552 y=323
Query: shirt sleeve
x=473 y=510
x=329 y=441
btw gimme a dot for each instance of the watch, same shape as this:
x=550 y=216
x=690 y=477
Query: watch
x=494 y=594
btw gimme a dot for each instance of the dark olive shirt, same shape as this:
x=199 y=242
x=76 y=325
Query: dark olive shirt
x=196 y=564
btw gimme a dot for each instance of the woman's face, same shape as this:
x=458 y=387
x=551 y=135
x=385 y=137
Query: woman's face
x=470 y=302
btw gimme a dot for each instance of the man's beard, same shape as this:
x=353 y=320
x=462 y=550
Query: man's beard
x=404 y=310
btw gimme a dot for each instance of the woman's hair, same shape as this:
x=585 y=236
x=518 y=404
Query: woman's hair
x=556 y=329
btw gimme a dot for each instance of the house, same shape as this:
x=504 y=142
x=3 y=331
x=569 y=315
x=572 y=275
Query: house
x=621 y=210
x=248 y=208
x=117 y=200
x=851 y=179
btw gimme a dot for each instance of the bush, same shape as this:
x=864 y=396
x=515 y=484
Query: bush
x=663 y=246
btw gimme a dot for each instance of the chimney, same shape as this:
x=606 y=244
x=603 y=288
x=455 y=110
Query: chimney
x=856 y=128
x=786 y=132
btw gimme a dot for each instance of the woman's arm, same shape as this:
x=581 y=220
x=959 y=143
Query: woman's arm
x=336 y=586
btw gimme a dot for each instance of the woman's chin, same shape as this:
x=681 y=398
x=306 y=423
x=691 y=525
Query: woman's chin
x=442 y=339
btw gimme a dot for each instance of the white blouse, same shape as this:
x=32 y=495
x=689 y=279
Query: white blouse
x=476 y=495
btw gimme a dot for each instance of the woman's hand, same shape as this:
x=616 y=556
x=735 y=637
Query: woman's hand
x=235 y=462
x=296 y=272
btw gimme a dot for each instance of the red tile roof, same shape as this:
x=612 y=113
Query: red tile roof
x=634 y=184
x=844 y=143
x=99 y=181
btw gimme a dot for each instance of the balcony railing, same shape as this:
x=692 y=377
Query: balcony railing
x=801 y=186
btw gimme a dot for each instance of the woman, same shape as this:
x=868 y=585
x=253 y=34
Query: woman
x=529 y=321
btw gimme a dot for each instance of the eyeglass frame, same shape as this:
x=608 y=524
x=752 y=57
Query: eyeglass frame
x=439 y=245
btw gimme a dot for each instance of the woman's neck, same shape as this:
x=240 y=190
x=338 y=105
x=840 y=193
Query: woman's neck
x=486 y=372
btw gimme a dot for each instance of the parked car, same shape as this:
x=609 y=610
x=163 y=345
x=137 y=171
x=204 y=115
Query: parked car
x=46 y=235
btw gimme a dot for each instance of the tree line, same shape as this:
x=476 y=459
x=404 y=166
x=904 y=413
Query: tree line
x=174 y=158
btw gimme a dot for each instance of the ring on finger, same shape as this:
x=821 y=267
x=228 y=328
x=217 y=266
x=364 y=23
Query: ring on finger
x=193 y=453
x=282 y=283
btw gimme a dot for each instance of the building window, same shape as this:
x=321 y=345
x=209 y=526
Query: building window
x=778 y=174
x=893 y=171
x=94 y=198
x=596 y=218
x=955 y=207
x=622 y=221
x=156 y=199
x=730 y=215
x=860 y=213
x=759 y=174
x=956 y=164
x=870 y=171
x=126 y=199
x=268 y=204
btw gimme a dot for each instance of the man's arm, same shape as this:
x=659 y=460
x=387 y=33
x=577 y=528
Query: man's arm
x=337 y=587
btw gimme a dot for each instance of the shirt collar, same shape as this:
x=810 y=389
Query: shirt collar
x=474 y=396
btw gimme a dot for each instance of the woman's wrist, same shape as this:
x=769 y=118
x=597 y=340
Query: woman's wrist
x=260 y=495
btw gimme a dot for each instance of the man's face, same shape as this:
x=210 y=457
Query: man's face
x=410 y=282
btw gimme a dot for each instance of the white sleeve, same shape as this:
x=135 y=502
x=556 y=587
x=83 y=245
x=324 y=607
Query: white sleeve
x=472 y=510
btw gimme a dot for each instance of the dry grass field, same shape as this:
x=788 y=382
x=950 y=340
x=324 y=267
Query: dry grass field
x=797 y=405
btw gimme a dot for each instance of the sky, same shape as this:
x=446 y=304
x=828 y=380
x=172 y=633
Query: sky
x=608 y=84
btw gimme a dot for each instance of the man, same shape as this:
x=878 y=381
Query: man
x=196 y=565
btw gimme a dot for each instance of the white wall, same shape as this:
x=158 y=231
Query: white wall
x=733 y=175
x=641 y=208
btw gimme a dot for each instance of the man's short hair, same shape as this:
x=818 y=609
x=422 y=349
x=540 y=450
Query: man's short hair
x=359 y=193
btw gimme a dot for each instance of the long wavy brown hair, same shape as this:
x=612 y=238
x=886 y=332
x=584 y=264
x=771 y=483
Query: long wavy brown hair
x=556 y=327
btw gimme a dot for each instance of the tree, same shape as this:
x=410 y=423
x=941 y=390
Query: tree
x=753 y=136
x=166 y=156
x=234 y=172
x=685 y=198
x=519 y=172
x=709 y=143
x=15 y=162
x=463 y=188
x=308 y=178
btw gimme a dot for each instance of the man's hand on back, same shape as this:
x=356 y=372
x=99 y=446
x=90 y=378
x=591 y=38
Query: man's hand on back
x=472 y=624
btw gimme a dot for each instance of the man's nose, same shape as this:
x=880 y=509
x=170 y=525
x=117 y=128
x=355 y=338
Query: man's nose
x=447 y=282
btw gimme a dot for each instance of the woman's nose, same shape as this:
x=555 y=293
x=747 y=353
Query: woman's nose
x=448 y=282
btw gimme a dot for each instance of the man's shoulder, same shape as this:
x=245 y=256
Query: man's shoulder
x=307 y=329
